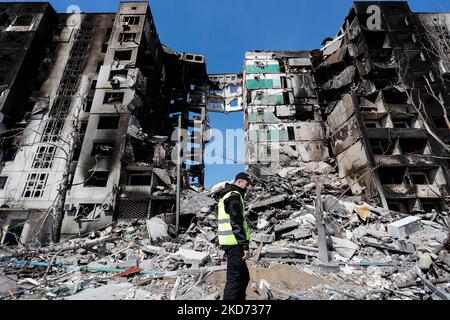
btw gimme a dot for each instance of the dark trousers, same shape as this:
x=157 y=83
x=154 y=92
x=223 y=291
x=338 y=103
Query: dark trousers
x=238 y=276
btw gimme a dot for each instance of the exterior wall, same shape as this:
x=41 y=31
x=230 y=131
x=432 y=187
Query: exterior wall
x=383 y=143
x=61 y=105
x=25 y=33
x=86 y=155
x=283 y=120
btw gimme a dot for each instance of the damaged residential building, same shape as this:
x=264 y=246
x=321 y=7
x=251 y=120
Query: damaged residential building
x=90 y=104
x=88 y=113
x=374 y=100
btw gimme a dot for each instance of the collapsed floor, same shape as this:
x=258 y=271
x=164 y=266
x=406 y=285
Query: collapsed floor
x=374 y=254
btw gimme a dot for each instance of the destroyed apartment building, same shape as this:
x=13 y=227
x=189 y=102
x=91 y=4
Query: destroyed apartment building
x=89 y=103
x=374 y=101
x=349 y=146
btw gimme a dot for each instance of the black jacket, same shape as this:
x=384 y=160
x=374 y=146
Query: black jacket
x=233 y=206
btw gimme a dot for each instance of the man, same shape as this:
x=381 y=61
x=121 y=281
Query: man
x=234 y=236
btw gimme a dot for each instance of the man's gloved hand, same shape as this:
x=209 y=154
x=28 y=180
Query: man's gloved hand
x=246 y=255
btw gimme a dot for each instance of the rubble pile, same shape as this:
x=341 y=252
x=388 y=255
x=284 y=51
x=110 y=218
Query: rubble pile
x=372 y=253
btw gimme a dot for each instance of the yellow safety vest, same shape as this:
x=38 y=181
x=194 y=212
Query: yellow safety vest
x=226 y=235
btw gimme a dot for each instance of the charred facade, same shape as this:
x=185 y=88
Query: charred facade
x=91 y=138
x=373 y=100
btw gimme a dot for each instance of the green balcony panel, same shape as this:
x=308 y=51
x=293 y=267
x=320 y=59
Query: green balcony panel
x=263 y=84
x=273 y=68
x=265 y=117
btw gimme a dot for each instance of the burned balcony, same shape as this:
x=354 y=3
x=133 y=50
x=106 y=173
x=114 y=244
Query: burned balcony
x=414 y=146
x=103 y=149
x=97 y=179
x=108 y=122
x=114 y=98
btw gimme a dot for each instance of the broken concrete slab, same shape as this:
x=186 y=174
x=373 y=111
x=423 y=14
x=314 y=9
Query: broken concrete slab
x=192 y=257
x=157 y=229
x=404 y=227
x=288 y=252
x=262 y=224
x=195 y=202
x=133 y=263
x=153 y=249
x=113 y=291
x=262 y=238
x=266 y=203
x=163 y=175
x=297 y=234
x=344 y=247
x=333 y=204
x=286 y=227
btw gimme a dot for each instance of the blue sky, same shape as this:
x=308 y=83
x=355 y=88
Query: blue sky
x=224 y=29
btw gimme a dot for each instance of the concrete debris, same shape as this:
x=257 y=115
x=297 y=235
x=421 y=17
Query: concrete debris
x=157 y=229
x=344 y=247
x=373 y=251
x=404 y=227
x=192 y=257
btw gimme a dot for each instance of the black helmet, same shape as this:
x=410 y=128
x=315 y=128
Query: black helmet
x=245 y=176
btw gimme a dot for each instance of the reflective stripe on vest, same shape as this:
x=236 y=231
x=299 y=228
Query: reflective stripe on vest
x=226 y=235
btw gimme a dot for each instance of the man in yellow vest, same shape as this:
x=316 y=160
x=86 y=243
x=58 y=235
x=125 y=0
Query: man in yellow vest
x=234 y=236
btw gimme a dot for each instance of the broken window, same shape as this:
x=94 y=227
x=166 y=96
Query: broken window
x=103 y=149
x=74 y=67
x=23 y=21
x=131 y=21
x=291 y=133
x=140 y=179
x=123 y=55
x=94 y=84
x=97 y=179
x=372 y=124
x=68 y=86
x=413 y=146
x=429 y=205
x=88 y=105
x=284 y=83
x=400 y=124
x=13 y=233
x=35 y=185
x=382 y=146
x=418 y=177
x=304 y=115
x=44 y=157
x=116 y=77
x=79 y=143
x=60 y=107
x=110 y=122
x=121 y=75
x=127 y=37
x=52 y=130
x=99 y=66
x=391 y=175
x=3 y=182
x=88 y=211
x=398 y=206
x=114 y=97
